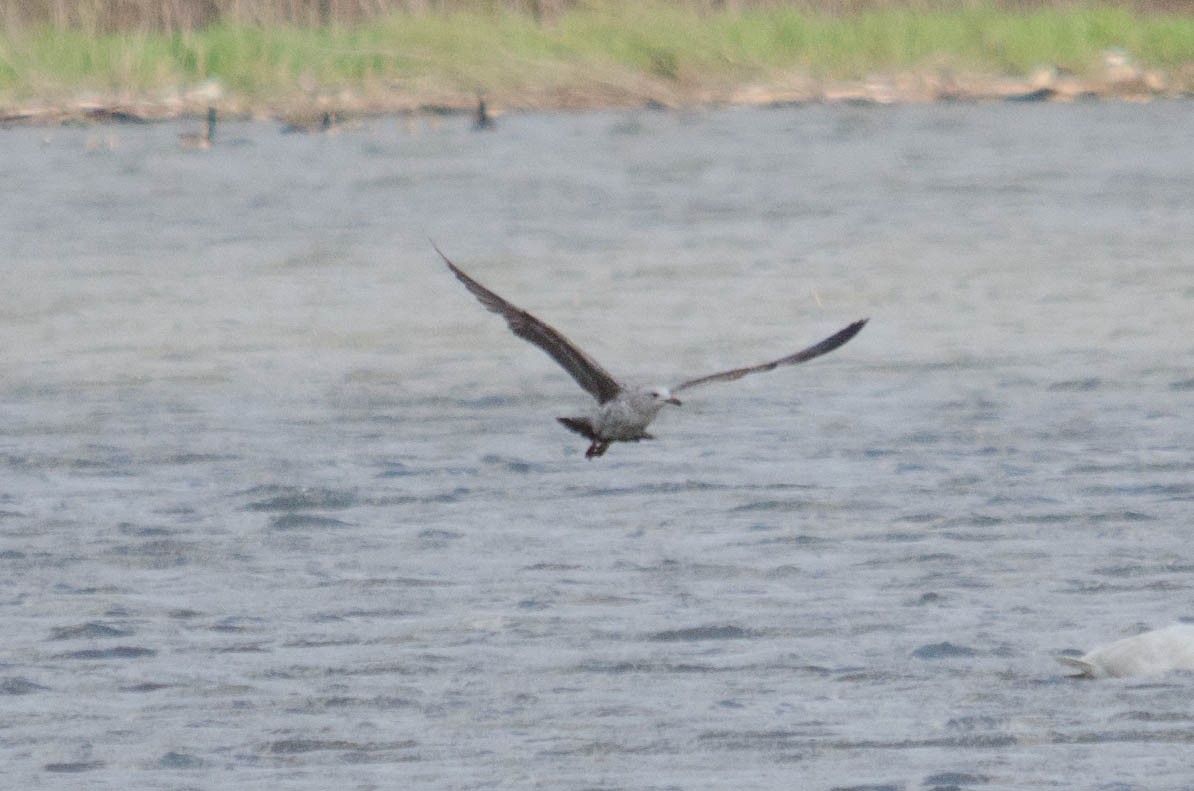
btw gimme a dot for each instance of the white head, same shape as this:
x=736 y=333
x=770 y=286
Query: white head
x=663 y=396
x=645 y=402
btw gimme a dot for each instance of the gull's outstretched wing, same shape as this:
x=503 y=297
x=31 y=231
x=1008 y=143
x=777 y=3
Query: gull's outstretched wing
x=816 y=350
x=587 y=373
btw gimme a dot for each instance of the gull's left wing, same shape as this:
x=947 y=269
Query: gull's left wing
x=816 y=350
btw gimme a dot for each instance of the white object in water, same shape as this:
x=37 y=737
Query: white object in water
x=1158 y=651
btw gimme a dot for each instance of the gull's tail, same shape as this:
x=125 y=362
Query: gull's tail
x=580 y=425
x=584 y=427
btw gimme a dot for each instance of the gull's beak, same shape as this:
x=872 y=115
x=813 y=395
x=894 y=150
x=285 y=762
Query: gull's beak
x=673 y=401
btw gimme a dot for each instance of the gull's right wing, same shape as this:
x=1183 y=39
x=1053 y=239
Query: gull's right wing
x=587 y=373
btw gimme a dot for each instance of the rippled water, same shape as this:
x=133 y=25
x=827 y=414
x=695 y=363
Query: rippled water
x=283 y=507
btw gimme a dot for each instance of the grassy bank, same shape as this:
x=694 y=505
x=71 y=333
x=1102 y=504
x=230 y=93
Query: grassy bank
x=612 y=53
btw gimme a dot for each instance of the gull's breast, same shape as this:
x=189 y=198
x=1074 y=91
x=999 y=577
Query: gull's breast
x=620 y=420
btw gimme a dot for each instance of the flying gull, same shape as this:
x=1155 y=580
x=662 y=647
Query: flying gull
x=624 y=411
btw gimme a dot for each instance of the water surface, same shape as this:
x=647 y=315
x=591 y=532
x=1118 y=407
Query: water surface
x=283 y=507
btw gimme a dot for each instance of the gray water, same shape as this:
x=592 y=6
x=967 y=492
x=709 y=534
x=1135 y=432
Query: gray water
x=283 y=507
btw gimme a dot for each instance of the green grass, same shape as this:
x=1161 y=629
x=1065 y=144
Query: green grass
x=503 y=51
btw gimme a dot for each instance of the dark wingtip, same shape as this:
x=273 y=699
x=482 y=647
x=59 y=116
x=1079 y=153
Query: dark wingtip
x=447 y=260
x=853 y=329
x=455 y=269
x=837 y=339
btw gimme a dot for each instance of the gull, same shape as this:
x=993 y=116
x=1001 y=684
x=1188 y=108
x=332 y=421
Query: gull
x=624 y=411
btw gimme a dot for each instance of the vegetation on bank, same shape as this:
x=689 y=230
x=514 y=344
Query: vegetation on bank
x=600 y=49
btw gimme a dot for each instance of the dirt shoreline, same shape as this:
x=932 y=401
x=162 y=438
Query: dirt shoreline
x=1127 y=84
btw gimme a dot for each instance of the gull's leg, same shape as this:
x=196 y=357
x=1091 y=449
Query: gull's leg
x=598 y=448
